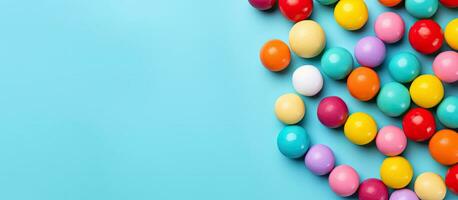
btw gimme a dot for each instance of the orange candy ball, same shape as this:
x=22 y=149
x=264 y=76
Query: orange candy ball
x=443 y=147
x=275 y=55
x=390 y=3
x=363 y=83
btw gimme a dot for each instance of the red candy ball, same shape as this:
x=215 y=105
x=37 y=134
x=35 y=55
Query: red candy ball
x=426 y=36
x=296 y=10
x=451 y=179
x=419 y=124
x=372 y=189
x=450 y=3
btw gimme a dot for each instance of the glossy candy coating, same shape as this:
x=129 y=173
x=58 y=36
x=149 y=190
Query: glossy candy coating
x=443 y=147
x=451 y=32
x=296 y=10
x=326 y=2
x=307 y=80
x=337 y=63
x=449 y=3
x=307 y=39
x=351 y=14
x=275 y=55
x=445 y=66
x=421 y=8
x=429 y=185
x=396 y=172
x=319 y=159
x=389 y=27
x=403 y=194
x=426 y=91
x=363 y=83
x=391 y=141
x=390 y=3
x=393 y=99
x=360 y=128
x=447 y=112
x=344 y=180
x=418 y=124
x=262 y=4
x=293 y=141
x=332 y=111
x=289 y=108
x=404 y=67
x=370 y=51
x=372 y=189
x=451 y=179
x=425 y=36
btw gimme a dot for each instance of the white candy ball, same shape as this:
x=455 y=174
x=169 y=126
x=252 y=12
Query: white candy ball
x=307 y=80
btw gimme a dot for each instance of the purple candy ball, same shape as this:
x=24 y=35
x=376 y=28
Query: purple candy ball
x=262 y=4
x=370 y=51
x=319 y=159
x=332 y=112
x=404 y=194
x=372 y=189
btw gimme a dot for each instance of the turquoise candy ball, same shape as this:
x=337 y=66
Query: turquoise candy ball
x=421 y=8
x=404 y=67
x=447 y=112
x=293 y=141
x=393 y=99
x=337 y=63
x=326 y=2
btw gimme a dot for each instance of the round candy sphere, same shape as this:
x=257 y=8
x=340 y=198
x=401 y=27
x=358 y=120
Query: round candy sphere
x=396 y=172
x=425 y=36
x=403 y=194
x=344 y=180
x=332 y=111
x=307 y=80
x=289 y=108
x=262 y=4
x=326 y=2
x=351 y=14
x=418 y=124
x=445 y=66
x=363 y=83
x=404 y=67
x=337 y=63
x=449 y=3
x=451 y=179
x=307 y=39
x=372 y=189
x=447 y=112
x=390 y=3
x=393 y=99
x=319 y=159
x=293 y=141
x=360 y=128
x=370 y=51
x=389 y=27
x=275 y=55
x=391 y=141
x=296 y=10
x=426 y=91
x=429 y=185
x=443 y=147
x=451 y=31
x=422 y=8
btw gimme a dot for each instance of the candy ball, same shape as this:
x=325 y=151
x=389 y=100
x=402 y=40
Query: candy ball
x=396 y=172
x=372 y=189
x=451 y=179
x=262 y=4
x=326 y=2
x=451 y=32
x=426 y=91
x=404 y=67
x=418 y=124
x=443 y=147
x=370 y=51
x=389 y=27
x=351 y=14
x=449 y=3
x=421 y=8
x=391 y=141
x=293 y=141
x=363 y=83
x=344 y=180
x=337 y=63
x=425 y=36
x=447 y=112
x=307 y=80
x=390 y=3
x=445 y=66
x=393 y=99
x=289 y=108
x=319 y=159
x=360 y=128
x=429 y=185
x=332 y=112
x=307 y=39
x=403 y=194
x=275 y=55
x=296 y=10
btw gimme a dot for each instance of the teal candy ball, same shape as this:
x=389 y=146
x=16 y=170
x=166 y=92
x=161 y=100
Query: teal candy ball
x=326 y=2
x=447 y=112
x=421 y=8
x=404 y=67
x=337 y=63
x=393 y=99
x=293 y=141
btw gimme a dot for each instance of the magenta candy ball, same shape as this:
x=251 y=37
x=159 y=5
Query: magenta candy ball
x=332 y=111
x=262 y=4
x=404 y=194
x=370 y=51
x=319 y=159
x=445 y=66
x=389 y=27
x=391 y=141
x=372 y=189
x=344 y=180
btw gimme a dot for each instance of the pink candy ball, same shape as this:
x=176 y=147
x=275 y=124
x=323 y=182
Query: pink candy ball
x=391 y=140
x=389 y=27
x=262 y=4
x=344 y=180
x=332 y=112
x=445 y=66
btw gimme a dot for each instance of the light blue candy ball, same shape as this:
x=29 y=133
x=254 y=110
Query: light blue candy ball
x=326 y=2
x=447 y=112
x=337 y=63
x=393 y=99
x=293 y=141
x=422 y=8
x=404 y=67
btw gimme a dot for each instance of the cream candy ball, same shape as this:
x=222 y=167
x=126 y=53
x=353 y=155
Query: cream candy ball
x=307 y=39
x=289 y=108
x=307 y=80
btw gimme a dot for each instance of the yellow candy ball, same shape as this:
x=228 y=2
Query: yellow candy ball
x=451 y=34
x=289 y=108
x=307 y=39
x=426 y=91
x=351 y=14
x=360 y=128
x=396 y=172
x=429 y=185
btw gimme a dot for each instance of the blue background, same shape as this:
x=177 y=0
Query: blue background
x=141 y=99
